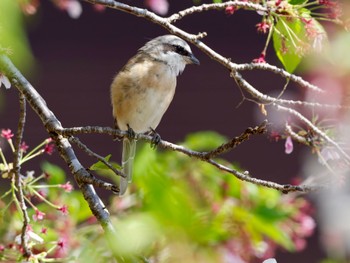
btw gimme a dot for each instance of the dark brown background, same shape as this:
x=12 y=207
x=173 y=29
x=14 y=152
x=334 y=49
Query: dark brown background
x=77 y=59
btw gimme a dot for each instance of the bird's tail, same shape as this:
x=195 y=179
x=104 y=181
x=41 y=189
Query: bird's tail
x=128 y=155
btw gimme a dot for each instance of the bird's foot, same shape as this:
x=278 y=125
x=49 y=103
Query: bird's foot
x=131 y=133
x=155 y=139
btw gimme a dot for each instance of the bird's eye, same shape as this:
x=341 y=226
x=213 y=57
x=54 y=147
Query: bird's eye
x=180 y=50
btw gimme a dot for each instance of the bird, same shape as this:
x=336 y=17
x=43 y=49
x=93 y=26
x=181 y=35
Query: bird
x=142 y=91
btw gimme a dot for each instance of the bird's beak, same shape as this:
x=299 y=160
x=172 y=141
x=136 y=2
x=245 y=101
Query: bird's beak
x=193 y=60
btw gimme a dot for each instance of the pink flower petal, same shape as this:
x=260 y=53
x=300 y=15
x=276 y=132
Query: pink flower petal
x=288 y=145
x=74 y=9
x=160 y=7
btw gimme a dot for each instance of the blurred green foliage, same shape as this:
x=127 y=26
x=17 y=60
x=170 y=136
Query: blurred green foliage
x=181 y=209
x=178 y=209
x=13 y=39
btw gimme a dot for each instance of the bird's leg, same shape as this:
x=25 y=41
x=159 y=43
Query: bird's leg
x=131 y=132
x=155 y=139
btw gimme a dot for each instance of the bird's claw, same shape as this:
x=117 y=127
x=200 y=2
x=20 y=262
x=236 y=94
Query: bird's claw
x=155 y=139
x=131 y=133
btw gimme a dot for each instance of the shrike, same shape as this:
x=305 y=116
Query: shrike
x=142 y=91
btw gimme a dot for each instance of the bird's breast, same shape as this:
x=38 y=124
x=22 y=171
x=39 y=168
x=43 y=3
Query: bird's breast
x=141 y=95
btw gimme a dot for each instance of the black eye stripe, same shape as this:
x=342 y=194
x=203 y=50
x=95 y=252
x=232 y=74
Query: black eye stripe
x=180 y=50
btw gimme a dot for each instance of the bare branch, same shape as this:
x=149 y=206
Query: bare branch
x=215 y=6
x=16 y=171
x=91 y=153
x=266 y=66
x=204 y=156
x=295 y=136
x=261 y=129
x=194 y=39
x=315 y=129
x=263 y=98
x=52 y=124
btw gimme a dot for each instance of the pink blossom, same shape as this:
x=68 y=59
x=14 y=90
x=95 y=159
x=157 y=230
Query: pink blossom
x=29 y=228
x=278 y=2
x=24 y=147
x=160 y=7
x=263 y=27
x=2 y=248
x=4 y=80
x=230 y=10
x=43 y=230
x=63 y=209
x=299 y=244
x=288 y=145
x=49 y=148
x=42 y=192
x=260 y=59
x=275 y=136
x=62 y=243
x=29 y=7
x=38 y=215
x=99 y=8
x=73 y=7
x=67 y=187
x=307 y=224
x=7 y=134
x=62 y=247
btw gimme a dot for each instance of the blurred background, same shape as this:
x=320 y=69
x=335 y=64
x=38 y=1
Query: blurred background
x=75 y=61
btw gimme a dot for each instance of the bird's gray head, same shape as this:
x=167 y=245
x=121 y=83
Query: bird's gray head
x=171 y=50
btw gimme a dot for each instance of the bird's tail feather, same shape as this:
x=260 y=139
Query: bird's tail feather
x=128 y=155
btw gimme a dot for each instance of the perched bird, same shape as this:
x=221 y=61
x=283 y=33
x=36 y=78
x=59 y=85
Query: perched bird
x=142 y=91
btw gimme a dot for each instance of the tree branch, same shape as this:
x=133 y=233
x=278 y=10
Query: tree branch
x=203 y=156
x=17 y=175
x=65 y=150
x=261 y=129
x=98 y=157
x=315 y=129
x=216 y=6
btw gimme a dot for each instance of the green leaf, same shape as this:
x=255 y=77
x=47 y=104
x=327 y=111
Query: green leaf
x=217 y=1
x=78 y=207
x=286 y=39
x=202 y=141
x=297 y=2
x=100 y=165
x=55 y=173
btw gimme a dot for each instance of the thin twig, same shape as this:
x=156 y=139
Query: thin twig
x=216 y=6
x=315 y=129
x=98 y=157
x=101 y=184
x=16 y=170
x=261 y=129
x=295 y=136
x=266 y=66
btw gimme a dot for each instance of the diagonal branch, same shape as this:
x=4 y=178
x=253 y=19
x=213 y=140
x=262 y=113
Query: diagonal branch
x=195 y=39
x=98 y=157
x=315 y=129
x=65 y=150
x=261 y=129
